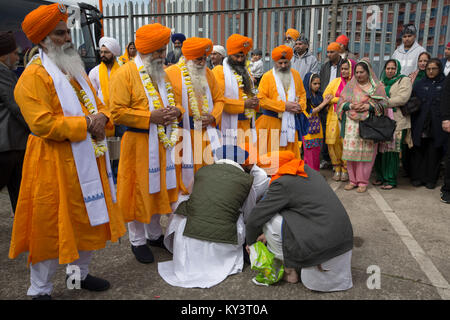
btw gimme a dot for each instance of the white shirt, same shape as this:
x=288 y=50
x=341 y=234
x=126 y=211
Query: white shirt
x=447 y=68
x=333 y=72
x=257 y=68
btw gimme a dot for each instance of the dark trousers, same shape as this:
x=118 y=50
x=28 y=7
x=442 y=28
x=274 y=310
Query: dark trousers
x=11 y=163
x=446 y=186
x=425 y=162
x=323 y=120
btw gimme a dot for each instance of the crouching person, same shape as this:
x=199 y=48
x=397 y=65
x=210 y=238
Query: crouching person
x=207 y=231
x=303 y=224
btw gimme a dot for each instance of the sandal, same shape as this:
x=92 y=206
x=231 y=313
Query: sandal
x=349 y=187
x=361 y=189
x=388 y=187
x=377 y=183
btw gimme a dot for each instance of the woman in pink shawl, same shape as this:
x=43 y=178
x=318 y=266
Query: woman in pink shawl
x=362 y=95
x=333 y=138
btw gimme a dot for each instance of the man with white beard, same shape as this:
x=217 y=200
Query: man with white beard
x=203 y=102
x=291 y=36
x=142 y=98
x=175 y=55
x=66 y=193
x=282 y=99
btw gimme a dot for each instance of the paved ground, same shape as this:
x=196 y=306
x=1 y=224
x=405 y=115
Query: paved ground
x=405 y=232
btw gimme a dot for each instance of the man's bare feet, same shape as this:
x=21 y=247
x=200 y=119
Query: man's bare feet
x=290 y=275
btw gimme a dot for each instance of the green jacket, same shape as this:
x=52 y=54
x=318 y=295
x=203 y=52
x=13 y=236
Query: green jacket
x=214 y=205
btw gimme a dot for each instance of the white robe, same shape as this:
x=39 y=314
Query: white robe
x=204 y=264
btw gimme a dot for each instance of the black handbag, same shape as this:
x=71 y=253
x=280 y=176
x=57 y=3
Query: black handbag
x=377 y=128
x=412 y=106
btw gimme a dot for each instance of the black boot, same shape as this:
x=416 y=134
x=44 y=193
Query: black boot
x=143 y=253
x=42 y=297
x=92 y=283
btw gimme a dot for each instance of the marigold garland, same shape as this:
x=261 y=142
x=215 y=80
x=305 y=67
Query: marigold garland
x=191 y=94
x=148 y=85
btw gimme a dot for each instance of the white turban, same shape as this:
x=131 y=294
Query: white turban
x=220 y=50
x=110 y=43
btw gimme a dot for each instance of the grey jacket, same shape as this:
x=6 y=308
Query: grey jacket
x=408 y=59
x=325 y=73
x=13 y=128
x=315 y=227
x=304 y=64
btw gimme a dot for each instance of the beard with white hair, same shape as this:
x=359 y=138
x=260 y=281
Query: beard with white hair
x=290 y=43
x=65 y=57
x=155 y=68
x=177 y=53
x=198 y=77
x=285 y=76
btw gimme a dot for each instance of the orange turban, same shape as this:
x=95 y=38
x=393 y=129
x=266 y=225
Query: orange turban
x=294 y=34
x=151 y=37
x=194 y=48
x=342 y=39
x=282 y=51
x=334 y=46
x=41 y=21
x=237 y=43
x=281 y=163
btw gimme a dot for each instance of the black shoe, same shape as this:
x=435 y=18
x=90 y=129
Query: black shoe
x=157 y=243
x=445 y=197
x=42 y=297
x=246 y=256
x=430 y=185
x=416 y=183
x=92 y=283
x=143 y=254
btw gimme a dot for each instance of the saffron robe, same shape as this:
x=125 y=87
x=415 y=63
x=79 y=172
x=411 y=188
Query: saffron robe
x=270 y=100
x=51 y=221
x=129 y=106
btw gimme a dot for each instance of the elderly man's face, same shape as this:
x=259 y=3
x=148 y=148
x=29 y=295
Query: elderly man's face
x=159 y=54
x=60 y=35
x=283 y=65
x=106 y=56
x=216 y=58
x=200 y=62
x=177 y=44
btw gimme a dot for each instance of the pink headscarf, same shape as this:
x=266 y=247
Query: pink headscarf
x=344 y=81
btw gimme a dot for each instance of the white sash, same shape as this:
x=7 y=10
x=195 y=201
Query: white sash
x=288 y=120
x=154 y=171
x=230 y=121
x=187 y=171
x=83 y=151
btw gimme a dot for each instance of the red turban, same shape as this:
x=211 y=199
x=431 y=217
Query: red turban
x=151 y=37
x=342 y=39
x=194 y=48
x=237 y=43
x=41 y=21
x=282 y=51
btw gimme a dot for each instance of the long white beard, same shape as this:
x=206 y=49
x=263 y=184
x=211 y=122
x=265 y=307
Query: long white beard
x=198 y=77
x=290 y=43
x=154 y=68
x=285 y=77
x=177 y=52
x=65 y=57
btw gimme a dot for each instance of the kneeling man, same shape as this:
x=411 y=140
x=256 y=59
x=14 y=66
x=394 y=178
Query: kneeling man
x=304 y=224
x=207 y=231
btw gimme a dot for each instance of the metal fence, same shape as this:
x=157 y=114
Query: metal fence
x=372 y=26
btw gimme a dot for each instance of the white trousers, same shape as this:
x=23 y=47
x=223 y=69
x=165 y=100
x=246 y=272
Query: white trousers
x=337 y=275
x=139 y=232
x=272 y=231
x=42 y=273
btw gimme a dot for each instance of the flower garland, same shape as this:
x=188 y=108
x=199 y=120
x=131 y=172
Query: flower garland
x=249 y=113
x=191 y=95
x=100 y=147
x=148 y=85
